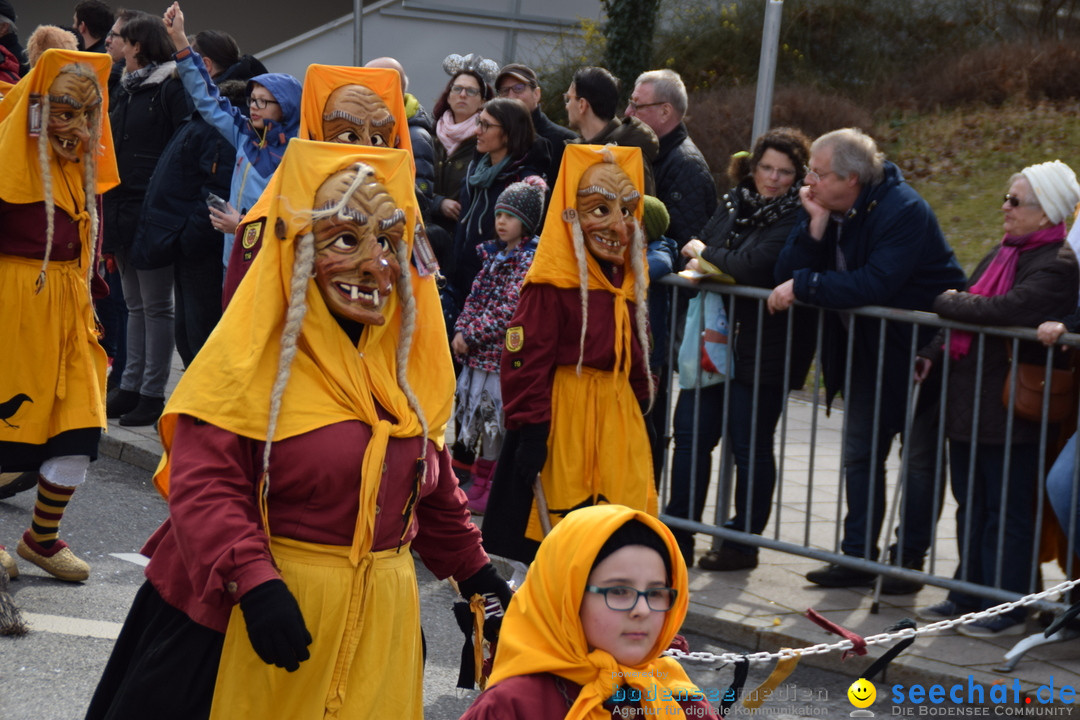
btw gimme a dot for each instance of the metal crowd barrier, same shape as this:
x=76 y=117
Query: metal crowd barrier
x=825 y=476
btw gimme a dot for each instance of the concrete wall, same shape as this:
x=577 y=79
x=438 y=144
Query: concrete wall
x=421 y=35
x=288 y=35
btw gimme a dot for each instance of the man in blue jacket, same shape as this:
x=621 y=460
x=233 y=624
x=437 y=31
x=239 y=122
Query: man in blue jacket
x=869 y=239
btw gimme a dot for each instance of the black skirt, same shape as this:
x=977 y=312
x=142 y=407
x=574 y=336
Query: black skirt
x=164 y=665
x=24 y=457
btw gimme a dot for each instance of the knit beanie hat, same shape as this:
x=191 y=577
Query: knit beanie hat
x=525 y=201
x=1055 y=188
x=655 y=217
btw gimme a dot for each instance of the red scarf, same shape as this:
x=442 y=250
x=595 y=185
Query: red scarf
x=1000 y=275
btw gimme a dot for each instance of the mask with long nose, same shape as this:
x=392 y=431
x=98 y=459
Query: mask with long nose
x=356 y=268
x=73 y=104
x=606 y=201
x=356 y=115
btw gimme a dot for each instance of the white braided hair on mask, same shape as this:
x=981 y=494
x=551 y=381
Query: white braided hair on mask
x=637 y=266
x=89 y=176
x=50 y=202
x=303 y=269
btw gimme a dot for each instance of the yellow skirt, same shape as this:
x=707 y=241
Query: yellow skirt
x=366 y=658
x=51 y=352
x=598 y=447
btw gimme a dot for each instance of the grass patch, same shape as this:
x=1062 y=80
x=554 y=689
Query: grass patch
x=961 y=160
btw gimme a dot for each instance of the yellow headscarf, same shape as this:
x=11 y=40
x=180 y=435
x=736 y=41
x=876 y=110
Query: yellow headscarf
x=230 y=381
x=555 y=262
x=321 y=81
x=21 y=180
x=542 y=631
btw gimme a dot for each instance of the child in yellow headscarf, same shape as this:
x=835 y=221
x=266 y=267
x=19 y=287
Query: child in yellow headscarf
x=304 y=460
x=582 y=637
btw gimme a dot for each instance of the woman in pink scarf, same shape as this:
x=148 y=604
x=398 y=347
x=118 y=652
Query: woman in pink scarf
x=1030 y=276
x=456 y=112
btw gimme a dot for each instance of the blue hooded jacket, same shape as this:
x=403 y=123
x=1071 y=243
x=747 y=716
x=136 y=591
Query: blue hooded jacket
x=257 y=154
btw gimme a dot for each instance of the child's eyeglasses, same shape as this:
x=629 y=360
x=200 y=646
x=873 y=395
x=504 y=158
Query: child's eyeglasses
x=624 y=598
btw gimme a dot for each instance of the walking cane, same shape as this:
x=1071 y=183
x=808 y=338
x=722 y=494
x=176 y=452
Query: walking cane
x=875 y=607
x=541 y=506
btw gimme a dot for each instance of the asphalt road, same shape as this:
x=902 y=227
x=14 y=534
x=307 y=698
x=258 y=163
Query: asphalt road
x=51 y=673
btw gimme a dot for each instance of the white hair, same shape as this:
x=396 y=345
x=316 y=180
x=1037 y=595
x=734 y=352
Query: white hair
x=89 y=177
x=637 y=266
x=303 y=265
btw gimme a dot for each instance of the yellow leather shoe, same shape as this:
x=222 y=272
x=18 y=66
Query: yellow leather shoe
x=62 y=563
x=8 y=563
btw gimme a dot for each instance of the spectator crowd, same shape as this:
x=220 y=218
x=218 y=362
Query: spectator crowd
x=480 y=255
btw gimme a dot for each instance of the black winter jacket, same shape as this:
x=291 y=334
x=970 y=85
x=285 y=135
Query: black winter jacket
x=1045 y=287
x=557 y=136
x=684 y=184
x=197 y=161
x=477 y=224
x=420 y=129
x=449 y=174
x=749 y=255
x=895 y=255
x=630 y=132
x=143 y=121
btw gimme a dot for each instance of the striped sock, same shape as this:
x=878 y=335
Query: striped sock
x=48 y=510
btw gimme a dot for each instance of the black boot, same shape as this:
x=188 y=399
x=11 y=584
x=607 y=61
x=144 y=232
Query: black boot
x=902 y=586
x=120 y=401
x=146 y=412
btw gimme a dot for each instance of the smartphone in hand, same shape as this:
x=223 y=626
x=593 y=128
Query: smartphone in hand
x=215 y=203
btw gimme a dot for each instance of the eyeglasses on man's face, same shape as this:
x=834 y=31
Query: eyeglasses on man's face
x=624 y=598
x=459 y=89
x=815 y=177
x=261 y=103
x=484 y=125
x=515 y=89
x=634 y=107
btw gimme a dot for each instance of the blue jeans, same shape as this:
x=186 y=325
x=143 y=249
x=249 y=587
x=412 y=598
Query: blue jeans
x=710 y=427
x=1059 y=489
x=978 y=536
x=865 y=515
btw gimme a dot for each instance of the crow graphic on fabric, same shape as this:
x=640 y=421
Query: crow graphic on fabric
x=10 y=407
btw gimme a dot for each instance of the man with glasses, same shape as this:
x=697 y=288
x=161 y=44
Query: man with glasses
x=683 y=181
x=590 y=106
x=520 y=83
x=870 y=239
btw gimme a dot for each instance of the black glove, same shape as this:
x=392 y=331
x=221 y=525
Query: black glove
x=275 y=625
x=486 y=581
x=531 y=453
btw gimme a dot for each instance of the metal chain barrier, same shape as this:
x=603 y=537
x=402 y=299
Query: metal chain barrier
x=880 y=639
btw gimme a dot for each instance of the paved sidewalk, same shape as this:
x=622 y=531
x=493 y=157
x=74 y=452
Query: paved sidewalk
x=763 y=608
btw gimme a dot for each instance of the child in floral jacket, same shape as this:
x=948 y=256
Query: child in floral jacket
x=481 y=327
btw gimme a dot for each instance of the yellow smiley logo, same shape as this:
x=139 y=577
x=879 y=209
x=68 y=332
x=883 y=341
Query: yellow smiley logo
x=862 y=693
